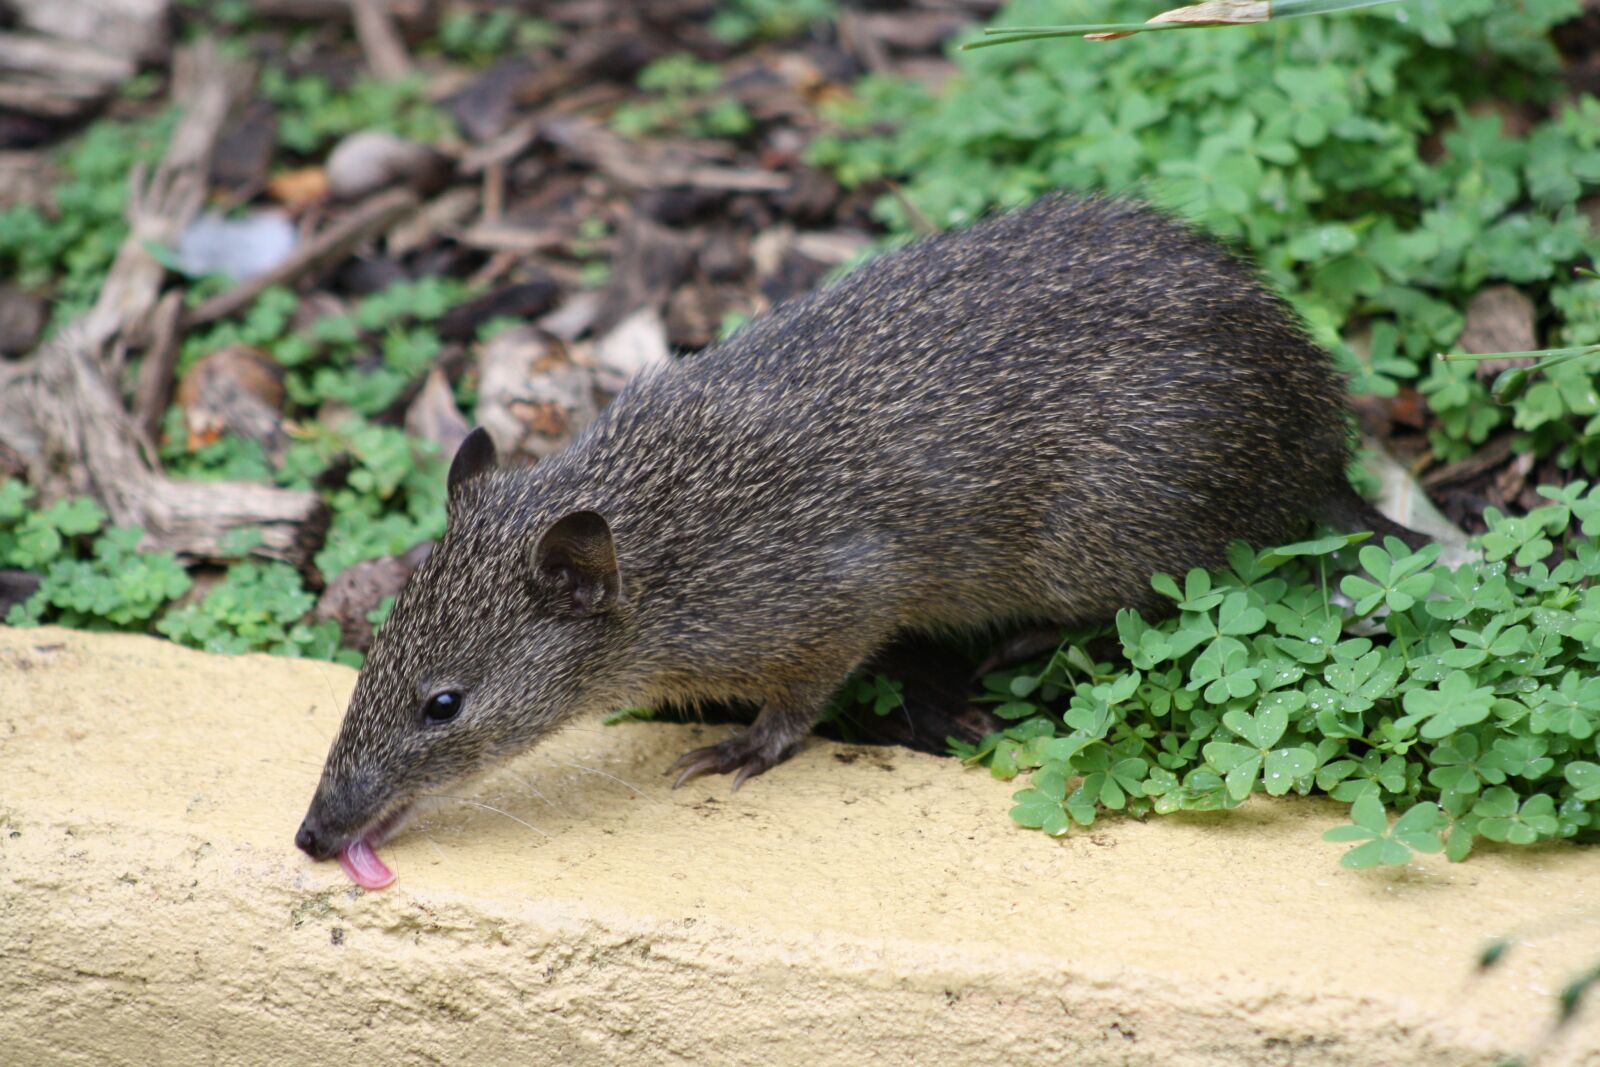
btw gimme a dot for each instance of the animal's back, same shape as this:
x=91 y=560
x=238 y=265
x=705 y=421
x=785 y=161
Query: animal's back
x=1025 y=418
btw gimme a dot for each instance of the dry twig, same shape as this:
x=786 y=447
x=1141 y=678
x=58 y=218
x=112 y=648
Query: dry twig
x=162 y=208
x=153 y=390
x=652 y=167
x=380 y=41
x=92 y=448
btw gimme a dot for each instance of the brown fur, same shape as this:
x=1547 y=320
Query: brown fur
x=1019 y=421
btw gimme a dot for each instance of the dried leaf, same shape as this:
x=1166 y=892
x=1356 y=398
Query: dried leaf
x=296 y=189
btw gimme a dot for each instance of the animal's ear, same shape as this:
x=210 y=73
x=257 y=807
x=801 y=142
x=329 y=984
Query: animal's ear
x=575 y=563
x=475 y=456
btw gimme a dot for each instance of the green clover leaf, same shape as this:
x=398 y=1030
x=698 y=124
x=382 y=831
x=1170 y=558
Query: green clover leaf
x=1455 y=704
x=1040 y=807
x=1584 y=777
x=1396 y=583
x=1458 y=767
x=1502 y=818
x=1242 y=765
x=1197 y=594
x=1223 y=672
x=1365 y=681
x=1572 y=709
x=1415 y=831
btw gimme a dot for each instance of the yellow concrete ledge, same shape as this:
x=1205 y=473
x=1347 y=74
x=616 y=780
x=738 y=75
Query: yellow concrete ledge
x=855 y=906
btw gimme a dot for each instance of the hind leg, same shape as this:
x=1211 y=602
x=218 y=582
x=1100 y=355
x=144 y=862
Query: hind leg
x=1020 y=648
x=1348 y=510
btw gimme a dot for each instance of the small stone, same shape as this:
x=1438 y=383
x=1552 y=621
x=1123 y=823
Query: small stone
x=359 y=590
x=236 y=390
x=371 y=160
x=22 y=319
x=241 y=248
x=1499 y=319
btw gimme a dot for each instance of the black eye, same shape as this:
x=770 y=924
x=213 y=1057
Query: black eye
x=442 y=707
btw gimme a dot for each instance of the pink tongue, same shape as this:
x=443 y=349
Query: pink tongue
x=363 y=865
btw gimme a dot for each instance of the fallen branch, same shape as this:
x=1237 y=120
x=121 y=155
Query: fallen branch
x=652 y=167
x=1195 y=16
x=139 y=30
x=19 y=437
x=153 y=391
x=410 y=13
x=92 y=448
x=501 y=149
x=503 y=237
x=56 y=79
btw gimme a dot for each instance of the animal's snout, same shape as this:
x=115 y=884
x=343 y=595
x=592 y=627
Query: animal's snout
x=312 y=841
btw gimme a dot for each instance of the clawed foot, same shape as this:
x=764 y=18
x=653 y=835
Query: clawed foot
x=745 y=753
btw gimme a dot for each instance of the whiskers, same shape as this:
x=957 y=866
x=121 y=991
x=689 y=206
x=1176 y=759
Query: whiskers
x=535 y=790
x=309 y=768
x=487 y=807
x=635 y=790
x=333 y=698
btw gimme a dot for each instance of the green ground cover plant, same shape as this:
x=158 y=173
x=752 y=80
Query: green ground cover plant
x=1464 y=699
x=1228 y=12
x=741 y=20
x=1363 y=159
x=1350 y=157
x=682 y=100
x=385 y=489
x=313 y=113
x=95 y=577
x=481 y=37
x=257 y=607
x=1346 y=154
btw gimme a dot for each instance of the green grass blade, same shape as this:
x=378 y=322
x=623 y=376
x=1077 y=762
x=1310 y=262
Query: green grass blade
x=1511 y=383
x=1541 y=354
x=1085 y=27
x=1288 y=9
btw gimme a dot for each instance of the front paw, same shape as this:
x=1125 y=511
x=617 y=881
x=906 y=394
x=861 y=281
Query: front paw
x=743 y=753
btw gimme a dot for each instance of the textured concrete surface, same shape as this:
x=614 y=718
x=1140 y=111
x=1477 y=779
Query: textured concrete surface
x=854 y=906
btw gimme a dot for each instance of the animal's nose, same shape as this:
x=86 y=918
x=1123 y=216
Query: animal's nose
x=307 y=840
